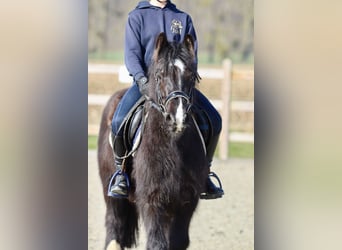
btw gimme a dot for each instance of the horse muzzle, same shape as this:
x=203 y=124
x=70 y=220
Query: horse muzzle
x=176 y=111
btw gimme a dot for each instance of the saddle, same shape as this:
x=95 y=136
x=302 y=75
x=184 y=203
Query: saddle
x=132 y=125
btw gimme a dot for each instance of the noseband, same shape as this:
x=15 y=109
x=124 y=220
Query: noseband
x=174 y=95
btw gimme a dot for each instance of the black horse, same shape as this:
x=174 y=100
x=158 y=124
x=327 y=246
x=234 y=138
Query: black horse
x=169 y=169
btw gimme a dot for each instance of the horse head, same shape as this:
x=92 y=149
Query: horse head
x=173 y=75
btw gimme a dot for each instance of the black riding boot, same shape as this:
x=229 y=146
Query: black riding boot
x=119 y=183
x=212 y=191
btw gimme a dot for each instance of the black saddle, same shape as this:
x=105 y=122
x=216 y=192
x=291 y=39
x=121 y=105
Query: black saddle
x=132 y=123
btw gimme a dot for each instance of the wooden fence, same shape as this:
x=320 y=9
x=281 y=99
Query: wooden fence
x=227 y=74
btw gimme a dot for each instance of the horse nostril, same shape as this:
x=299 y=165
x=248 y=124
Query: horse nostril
x=168 y=117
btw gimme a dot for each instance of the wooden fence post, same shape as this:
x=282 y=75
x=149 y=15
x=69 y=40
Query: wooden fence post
x=226 y=88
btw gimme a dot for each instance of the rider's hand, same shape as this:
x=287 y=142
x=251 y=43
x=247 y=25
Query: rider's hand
x=143 y=85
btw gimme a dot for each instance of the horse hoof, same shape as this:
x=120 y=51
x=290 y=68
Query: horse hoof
x=113 y=245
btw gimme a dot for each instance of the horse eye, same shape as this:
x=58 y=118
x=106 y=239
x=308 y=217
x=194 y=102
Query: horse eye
x=158 y=77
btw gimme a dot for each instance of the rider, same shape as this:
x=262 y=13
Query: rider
x=144 y=23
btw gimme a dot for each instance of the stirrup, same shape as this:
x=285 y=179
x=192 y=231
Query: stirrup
x=111 y=194
x=212 y=174
x=219 y=191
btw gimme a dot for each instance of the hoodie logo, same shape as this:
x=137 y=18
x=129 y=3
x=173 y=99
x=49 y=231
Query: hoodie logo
x=176 y=26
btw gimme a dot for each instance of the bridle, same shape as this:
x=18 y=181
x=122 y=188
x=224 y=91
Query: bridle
x=161 y=105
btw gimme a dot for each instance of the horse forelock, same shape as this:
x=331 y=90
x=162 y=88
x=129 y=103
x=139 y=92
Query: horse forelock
x=174 y=56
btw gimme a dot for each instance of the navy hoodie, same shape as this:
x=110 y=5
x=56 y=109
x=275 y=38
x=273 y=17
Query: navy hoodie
x=144 y=23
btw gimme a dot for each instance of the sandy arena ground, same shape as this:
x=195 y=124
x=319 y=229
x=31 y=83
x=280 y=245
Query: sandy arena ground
x=221 y=224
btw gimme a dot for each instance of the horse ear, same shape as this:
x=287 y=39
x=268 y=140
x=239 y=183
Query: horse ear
x=189 y=44
x=160 y=43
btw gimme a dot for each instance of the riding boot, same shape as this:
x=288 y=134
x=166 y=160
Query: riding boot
x=119 y=183
x=212 y=191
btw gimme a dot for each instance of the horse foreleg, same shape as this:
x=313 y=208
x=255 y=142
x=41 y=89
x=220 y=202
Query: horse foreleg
x=121 y=223
x=179 y=230
x=155 y=224
x=156 y=239
x=110 y=231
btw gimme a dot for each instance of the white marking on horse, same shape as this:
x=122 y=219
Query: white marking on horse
x=179 y=116
x=178 y=63
x=180 y=112
x=113 y=245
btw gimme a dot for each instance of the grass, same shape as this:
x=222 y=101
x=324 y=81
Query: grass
x=236 y=150
x=108 y=57
x=241 y=150
x=92 y=142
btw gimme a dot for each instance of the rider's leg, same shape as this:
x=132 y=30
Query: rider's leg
x=119 y=186
x=212 y=191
